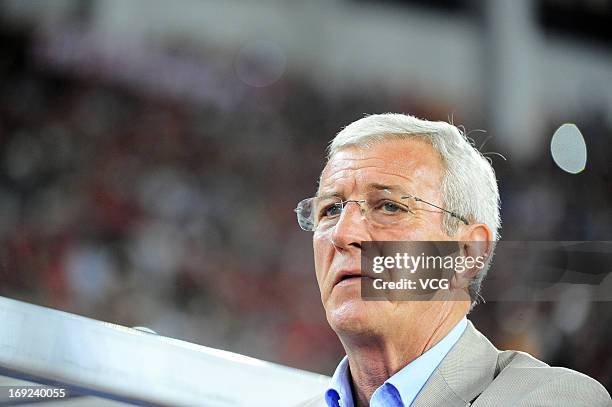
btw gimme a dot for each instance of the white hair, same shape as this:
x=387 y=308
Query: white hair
x=469 y=186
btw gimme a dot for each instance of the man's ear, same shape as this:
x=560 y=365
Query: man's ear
x=476 y=245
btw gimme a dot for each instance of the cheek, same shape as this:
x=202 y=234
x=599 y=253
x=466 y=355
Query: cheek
x=419 y=230
x=397 y=235
x=322 y=258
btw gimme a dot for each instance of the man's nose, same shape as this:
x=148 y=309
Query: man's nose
x=351 y=228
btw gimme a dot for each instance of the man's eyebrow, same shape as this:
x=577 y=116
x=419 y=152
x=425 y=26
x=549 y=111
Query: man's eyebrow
x=370 y=187
x=331 y=194
x=384 y=187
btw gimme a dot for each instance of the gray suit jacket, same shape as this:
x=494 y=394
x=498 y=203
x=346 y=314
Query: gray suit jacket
x=476 y=374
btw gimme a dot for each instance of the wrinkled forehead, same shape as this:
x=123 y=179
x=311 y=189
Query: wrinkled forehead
x=412 y=165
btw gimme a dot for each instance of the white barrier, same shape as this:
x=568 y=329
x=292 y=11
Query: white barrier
x=43 y=345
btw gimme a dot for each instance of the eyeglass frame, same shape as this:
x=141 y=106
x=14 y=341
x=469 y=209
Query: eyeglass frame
x=406 y=196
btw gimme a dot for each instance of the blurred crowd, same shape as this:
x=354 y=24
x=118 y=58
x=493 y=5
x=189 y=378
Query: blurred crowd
x=136 y=208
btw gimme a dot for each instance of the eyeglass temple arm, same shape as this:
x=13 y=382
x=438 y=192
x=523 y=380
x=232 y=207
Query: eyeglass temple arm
x=454 y=214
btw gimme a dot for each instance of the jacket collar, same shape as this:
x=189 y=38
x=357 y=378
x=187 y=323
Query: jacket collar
x=465 y=372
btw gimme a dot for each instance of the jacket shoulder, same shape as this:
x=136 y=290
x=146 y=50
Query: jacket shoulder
x=522 y=380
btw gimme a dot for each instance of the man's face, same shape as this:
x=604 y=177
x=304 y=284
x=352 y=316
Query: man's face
x=414 y=166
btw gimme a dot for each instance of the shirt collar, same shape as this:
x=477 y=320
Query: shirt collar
x=339 y=393
x=408 y=382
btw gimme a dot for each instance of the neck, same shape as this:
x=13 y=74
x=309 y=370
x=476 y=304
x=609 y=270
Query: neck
x=374 y=359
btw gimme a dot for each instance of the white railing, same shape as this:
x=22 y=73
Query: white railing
x=111 y=361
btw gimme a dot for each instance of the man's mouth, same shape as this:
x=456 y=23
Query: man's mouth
x=348 y=277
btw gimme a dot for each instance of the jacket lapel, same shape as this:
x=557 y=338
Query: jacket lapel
x=463 y=374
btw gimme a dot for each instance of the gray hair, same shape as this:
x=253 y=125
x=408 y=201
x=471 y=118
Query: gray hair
x=469 y=186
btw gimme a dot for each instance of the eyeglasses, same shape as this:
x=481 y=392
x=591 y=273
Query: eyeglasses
x=380 y=208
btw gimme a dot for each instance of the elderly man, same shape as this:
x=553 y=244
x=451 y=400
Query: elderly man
x=417 y=353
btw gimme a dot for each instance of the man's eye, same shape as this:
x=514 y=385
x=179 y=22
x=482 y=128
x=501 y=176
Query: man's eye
x=392 y=207
x=331 y=210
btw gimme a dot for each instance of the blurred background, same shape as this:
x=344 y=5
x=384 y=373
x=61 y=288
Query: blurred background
x=152 y=152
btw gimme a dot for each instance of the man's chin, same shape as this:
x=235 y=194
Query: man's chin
x=354 y=315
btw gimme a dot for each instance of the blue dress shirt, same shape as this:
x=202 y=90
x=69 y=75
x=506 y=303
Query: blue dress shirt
x=402 y=388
